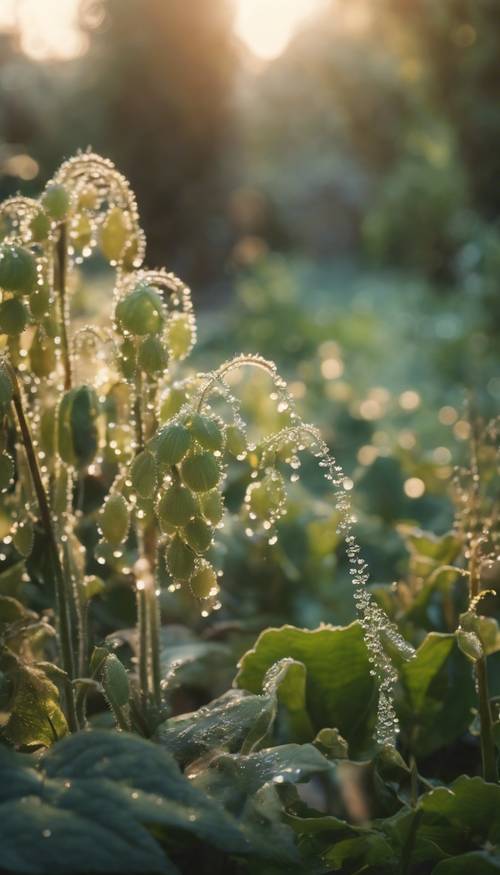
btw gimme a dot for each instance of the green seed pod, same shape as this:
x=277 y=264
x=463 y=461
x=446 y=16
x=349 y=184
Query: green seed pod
x=200 y=472
x=198 y=535
x=236 y=442
x=176 y=506
x=207 y=432
x=180 y=335
x=81 y=232
x=143 y=474
x=42 y=355
x=140 y=312
x=24 y=537
x=114 y=519
x=40 y=302
x=171 y=403
x=88 y=198
x=56 y=202
x=152 y=356
x=13 y=317
x=40 y=226
x=180 y=559
x=115 y=681
x=203 y=583
x=7 y=470
x=113 y=234
x=212 y=507
x=18 y=271
x=127 y=359
x=6 y=385
x=77 y=429
x=173 y=442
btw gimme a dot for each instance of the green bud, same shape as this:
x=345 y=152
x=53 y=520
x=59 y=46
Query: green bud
x=18 y=271
x=152 y=356
x=13 y=317
x=212 y=507
x=115 y=681
x=7 y=470
x=176 y=506
x=24 y=537
x=207 y=432
x=180 y=559
x=200 y=472
x=143 y=474
x=198 y=535
x=172 y=444
x=141 y=312
x=6 y=386
x=203 y=583
x=171 y=403
x=236 y=442
x=114 y=519
x=40 y=227
x=56 y=202
x=42 y=355
x=113 y=234
x=180 y=335
x=40 y=302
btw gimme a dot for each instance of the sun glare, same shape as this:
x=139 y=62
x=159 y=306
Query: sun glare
x=48 y=28
x=266 y=26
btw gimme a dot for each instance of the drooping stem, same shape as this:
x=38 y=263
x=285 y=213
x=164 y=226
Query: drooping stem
x=63 y=606
x=61 y=277
x=488 y=753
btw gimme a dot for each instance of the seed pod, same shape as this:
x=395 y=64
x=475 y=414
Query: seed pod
x=236 y=442
x=77 y=430
x=13 y=317
x=88 y=198
x=7 y=470
x=81 y=232
x=212 y=506
x=180 y=559
x=24 y=537
x=40 y=226
x=115 y=681
x=6 y=386
x=56 y=202
x=171 y=403
x=172 y=444
x=42 y=355
x=152 y=356
x=203 y=583
x=207 y=432
x=198 y=535
x=127 y=359
x=176 y=506
x=143 y=474
x=114 y=519
x=113 y=234
x=140 y=312
x=40 y=302
x=180 y=335
x=200 y=472
x=18 y=271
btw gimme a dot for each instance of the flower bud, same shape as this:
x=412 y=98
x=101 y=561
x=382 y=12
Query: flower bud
x=143 y=474
x=198 y=535
x=180 y=335
x=13 y=317
x=172 y=444
x=18 y=271
x=56 y=202
x=141 y=312
x=207 y=432
x=203 y=583
x=152 y=356
x=114 y=519
x=180 y=559
x=176 y=506
x=200 y=472
x=113 y=234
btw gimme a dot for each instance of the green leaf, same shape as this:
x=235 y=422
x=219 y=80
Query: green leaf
x=35 y=717
x=438 y=694
x=286 y=679
x=475 y=863
x=340 y=692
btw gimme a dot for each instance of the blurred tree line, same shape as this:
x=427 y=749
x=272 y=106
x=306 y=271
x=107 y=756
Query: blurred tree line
x=374 y=135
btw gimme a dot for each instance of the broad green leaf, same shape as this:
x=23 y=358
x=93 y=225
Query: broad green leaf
x=360 y=853
x=34 y=716
x=286 y=679
x=475 y=863
x=340 y=692
x=437 y=694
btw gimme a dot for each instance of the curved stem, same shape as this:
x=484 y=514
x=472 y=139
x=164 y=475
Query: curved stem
x=62 y=266
x=238 y=362
x=65 y=633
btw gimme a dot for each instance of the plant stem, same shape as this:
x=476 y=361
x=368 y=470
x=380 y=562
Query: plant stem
x=62 y=263
x=488 y=753
x=65 y=634
x=154 y=625
x=143 y=627
x=139 y=427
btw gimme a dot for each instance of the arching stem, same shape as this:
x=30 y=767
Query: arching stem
x=61 y=277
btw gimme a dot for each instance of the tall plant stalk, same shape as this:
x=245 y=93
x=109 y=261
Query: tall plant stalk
x=488 y=752
x=61 y=279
